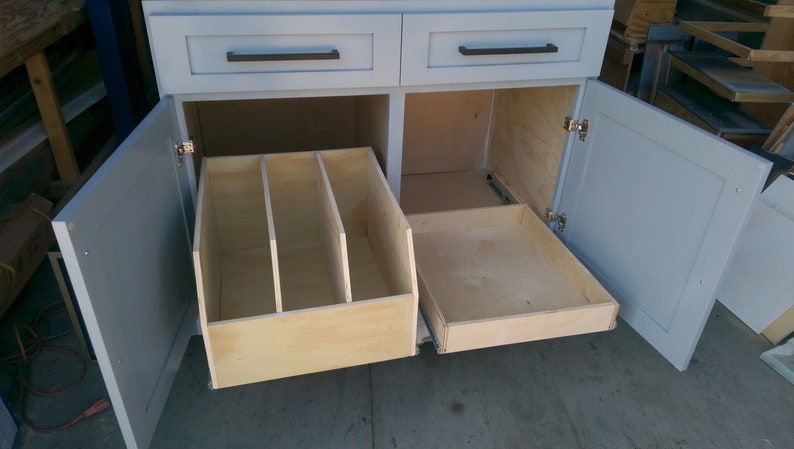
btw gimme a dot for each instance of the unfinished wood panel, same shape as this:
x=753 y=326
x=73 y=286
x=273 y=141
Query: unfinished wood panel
x=366 y=279
x=361 y=192
x=710 y=113
x=30 y=26
x=527 y=140
x=703 y=31
x=276 y=125
x=463 y=266
x=293 y=195
x=446 y=191
x=271 y=232
x=779 y=37
x=207 y=253
x=247 y=287
x=618 y=59
x=635 y=16
x=480 y=267
x=730 y=80
x=372 y=124
x=305 y=275
x=781 y=132
x=781 y=327
x=52 y=116
x=235 y=244
x=779 y=11
x=554 y=324
x=332 y=237
x=708 y=31
x=390 y=234
x=348 y=173
x=239 y=199
x=206 y=261
x=446 y=131
x=294 y=343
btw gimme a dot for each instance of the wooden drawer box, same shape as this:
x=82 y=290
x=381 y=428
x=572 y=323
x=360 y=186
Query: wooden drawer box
x=497 y=275
x=484 y=47
x=304 y=263
x=239 y=53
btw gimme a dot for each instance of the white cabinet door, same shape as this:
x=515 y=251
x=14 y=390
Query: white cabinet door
x=654 y=207
x=126 y=243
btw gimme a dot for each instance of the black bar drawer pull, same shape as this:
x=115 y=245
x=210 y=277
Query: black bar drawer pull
x=264 y=57
x=465 y=51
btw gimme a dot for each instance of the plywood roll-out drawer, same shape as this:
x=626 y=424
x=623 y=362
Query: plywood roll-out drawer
x=504 y=46
x=492 y=276
x=304 y=263
x=240 y=53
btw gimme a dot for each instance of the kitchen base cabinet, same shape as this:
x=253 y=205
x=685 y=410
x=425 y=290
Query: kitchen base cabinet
x=302 y=256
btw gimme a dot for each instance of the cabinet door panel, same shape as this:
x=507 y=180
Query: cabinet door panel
x=654 y=208
x=126 y=243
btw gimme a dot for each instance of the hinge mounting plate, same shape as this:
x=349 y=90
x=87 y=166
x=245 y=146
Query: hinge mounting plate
x=561 y=219
x=182 y=148
x=572 y=125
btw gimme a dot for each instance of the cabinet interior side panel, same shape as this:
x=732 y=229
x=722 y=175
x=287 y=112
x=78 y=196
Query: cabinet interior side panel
x=446 y=131
x=527 y=140
x=276 y=125
x=372 y=124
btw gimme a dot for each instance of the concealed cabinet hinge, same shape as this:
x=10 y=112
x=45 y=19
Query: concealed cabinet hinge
x=561 y=219
x=181 y=148
x=572 y=125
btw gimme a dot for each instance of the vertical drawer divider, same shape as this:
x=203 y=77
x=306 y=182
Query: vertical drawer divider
x=271 y=232
x=332 y=236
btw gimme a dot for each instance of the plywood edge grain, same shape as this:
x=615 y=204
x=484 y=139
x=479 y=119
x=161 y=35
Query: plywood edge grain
x=271 y=232
x=206 y=257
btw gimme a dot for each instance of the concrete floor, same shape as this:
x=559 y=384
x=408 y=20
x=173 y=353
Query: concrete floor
x=607 y=390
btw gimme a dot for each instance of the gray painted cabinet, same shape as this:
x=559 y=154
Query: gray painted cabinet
x=654 y=206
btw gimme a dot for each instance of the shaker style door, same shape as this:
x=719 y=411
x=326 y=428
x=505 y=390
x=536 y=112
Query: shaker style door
x=126 y=243
x=654 y=207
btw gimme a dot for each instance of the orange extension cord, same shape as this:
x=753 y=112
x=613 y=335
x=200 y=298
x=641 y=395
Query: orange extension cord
x=29 y=350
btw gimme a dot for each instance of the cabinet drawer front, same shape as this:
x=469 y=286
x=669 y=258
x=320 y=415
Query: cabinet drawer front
x=235 y=53
x=485 y=47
